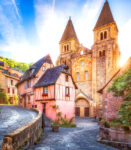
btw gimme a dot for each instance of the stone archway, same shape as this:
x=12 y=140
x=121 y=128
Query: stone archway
x=82 y=108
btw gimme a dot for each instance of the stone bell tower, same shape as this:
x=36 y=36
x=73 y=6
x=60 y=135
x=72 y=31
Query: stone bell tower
x=69 y=44
x=105 y=51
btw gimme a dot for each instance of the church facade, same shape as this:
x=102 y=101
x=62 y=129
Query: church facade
x=91 y=68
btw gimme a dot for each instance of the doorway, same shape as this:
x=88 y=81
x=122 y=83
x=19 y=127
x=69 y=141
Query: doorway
x=77 y=111
x=44 y=108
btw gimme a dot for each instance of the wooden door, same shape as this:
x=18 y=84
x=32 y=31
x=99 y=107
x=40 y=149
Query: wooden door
x=44 y=108
x=24 y=101
x=77 y=111
x=86 y=111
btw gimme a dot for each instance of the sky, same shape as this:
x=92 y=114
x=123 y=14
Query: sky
x=30 y=29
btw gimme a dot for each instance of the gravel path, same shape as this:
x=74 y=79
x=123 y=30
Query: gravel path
x=83 y=137
x=13 y=117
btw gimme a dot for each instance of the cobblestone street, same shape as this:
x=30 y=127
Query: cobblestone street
x=83 y=137
x=13 y=117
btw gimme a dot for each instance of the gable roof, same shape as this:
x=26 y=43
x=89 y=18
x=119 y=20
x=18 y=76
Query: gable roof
x=51 y=75
x=36 y=68
x=105 y=16
x=69 y=32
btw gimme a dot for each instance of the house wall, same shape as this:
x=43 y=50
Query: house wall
x=66 y=103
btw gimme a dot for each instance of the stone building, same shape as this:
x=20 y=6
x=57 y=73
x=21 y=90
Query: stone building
x=111 y=104
x=91 y=68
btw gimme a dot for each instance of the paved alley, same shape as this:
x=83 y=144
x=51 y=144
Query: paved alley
x=83 y=137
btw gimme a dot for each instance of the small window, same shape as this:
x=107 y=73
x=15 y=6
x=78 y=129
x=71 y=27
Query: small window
x=28 y=99
x=8 y=90
x=105 y=34
x=82 y=63
x=101 y=36
x=43 y=68
x=45 y=91
x=86 y=75
x=66 y=78
x=30 y=84
x=67 y=92
x=11 y=82
x=78 y=76
x=13 y=91
x=82 y=52
x=26 y=84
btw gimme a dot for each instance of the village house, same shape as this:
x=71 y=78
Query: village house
x=111 y=104
x=56 y=88
x=29 y=79
x=8 y=79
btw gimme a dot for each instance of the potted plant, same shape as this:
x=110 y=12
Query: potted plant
x=55 y=126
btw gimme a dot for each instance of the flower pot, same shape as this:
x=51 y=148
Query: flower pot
x=55 y=128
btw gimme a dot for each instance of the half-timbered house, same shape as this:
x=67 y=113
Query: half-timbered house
x=55 y=88
x=29 y=79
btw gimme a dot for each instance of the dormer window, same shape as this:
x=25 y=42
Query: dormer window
x=33 y=71
x=43 y=69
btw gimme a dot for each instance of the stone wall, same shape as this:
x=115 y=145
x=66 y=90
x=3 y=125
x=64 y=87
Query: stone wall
x=24 y=136
x=117 y=138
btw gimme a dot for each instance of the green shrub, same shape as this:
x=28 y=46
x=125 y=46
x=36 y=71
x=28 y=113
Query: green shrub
x=68 y=125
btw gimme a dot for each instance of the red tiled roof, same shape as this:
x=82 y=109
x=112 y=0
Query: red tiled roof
x=105 y=16
x=69 y=32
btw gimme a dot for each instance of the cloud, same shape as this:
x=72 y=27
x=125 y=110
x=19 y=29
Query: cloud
x=16 y=8
x=124 y=41
x=51 y=22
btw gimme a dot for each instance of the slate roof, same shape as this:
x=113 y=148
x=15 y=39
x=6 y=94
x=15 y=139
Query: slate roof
x=105 y=16
x=1 y=63
x=36 y=68
x=69 y=32
x=51 y=75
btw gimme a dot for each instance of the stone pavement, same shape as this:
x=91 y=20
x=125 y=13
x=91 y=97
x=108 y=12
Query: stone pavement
x=13 y=117
x=83 y=137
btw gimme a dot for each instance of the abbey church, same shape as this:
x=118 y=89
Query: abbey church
x=91 y=68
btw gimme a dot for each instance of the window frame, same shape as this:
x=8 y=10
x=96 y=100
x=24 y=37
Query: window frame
x=45 y=91
x=67 y=92
x=66 y=78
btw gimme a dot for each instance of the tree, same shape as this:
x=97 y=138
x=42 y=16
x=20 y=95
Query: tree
x=122 y=86
x=4 y=97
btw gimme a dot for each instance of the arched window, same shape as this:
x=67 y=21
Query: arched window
x=78 y=76
x=101 y=36
x=105 y=34
x=100 y=53
x=67 y=48
x=103 y=52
